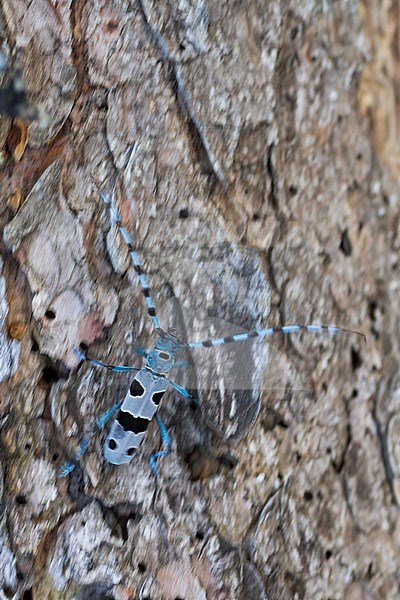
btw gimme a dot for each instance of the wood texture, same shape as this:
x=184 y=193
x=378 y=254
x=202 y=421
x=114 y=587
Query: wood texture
x=253 y=149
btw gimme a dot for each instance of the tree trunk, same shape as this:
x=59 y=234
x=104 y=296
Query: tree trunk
x=252 y=150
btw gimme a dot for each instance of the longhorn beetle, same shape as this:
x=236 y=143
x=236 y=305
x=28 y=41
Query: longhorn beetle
x=151 y=381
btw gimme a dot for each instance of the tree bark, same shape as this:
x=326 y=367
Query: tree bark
x=252 y=149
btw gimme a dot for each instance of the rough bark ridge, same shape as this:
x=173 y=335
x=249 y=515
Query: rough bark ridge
x=253 y=151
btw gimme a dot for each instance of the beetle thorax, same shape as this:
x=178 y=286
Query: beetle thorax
x=161 y=358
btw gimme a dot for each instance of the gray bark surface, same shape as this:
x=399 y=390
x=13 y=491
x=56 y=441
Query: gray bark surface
x=252 y=149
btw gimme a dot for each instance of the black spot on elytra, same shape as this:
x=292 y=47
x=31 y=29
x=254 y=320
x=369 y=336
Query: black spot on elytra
x=136 y=388
x=112 y=444
x=130 y=423
x=157 y=397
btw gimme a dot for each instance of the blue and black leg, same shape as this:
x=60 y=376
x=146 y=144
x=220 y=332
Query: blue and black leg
x=166 y=446
x=70 y=465
x=184 y=392
x=114 y=368
x=67 y=467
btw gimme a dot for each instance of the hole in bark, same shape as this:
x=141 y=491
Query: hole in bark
x=27 y=595
x=255 y=217
x=293 y=190
x=328 y=554
x=101 y=103
x=373 y=305
x=272 y=419
x=142 y=567
x=183 y=213
x=50 y=314
x=308 y=495
x=228 y=460
x=21 y=499
x=112 y=25
x=345 y=244
x=199 y=535
x=50 y=375
x=84 y=347
x=356 y=360
x=53 y=371
x=35 y=346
